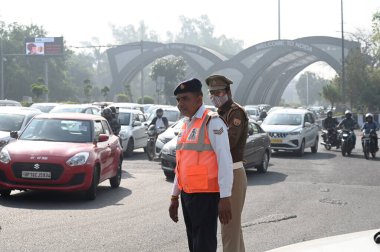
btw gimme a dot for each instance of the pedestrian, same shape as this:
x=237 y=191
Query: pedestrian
x=204 y=169
x=237 y=122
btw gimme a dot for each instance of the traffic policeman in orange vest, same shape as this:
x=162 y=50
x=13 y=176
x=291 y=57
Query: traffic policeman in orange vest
x=237 y=122
x=204 y=172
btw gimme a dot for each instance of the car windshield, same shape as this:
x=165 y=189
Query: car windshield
x=283 y=119
x=58 y=130
x=11 y=122
x=43 y=108
x=124 y=118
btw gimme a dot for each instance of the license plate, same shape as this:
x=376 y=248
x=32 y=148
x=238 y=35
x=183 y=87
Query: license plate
x=36 y=174
x=276 y=140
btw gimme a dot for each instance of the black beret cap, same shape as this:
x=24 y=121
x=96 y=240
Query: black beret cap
x=193 y=85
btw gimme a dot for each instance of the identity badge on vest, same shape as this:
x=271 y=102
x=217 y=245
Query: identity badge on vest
x=192 y=137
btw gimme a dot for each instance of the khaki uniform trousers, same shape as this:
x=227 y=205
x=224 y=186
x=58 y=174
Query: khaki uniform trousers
x=232 y=234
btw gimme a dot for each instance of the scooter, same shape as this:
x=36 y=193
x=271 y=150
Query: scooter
x=369 y=143
x=151 y=143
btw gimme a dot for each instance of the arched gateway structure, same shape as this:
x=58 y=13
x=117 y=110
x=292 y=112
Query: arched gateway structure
x=260 y=73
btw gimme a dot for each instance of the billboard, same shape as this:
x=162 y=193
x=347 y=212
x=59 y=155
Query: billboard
x=48 y=46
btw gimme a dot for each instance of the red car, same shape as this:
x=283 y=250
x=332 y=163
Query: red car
x=62 y=152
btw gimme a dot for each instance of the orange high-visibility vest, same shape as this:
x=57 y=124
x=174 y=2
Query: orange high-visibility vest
x=197 y=166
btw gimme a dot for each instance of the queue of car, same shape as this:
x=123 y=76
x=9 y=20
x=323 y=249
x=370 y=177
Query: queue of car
x=81 y=127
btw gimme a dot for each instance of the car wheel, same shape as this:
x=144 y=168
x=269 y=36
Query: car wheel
x=301 y=150
x=91 y=192
x=130 y=147
x=263 y=167
x=115 y=181
x=314 y=148
x=5 y=193
x=169 y=175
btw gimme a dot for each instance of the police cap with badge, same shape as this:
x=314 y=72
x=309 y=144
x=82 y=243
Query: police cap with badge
x=217 y=82
x=192 y=85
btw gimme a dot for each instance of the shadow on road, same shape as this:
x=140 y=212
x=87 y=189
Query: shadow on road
x=138 y=154
x=44 y=200
x=268 y=178
x=306 y=156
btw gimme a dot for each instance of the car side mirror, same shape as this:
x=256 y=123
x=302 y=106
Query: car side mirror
x=14 y=134
x=307 y=124
x=136 y=123
x=103 y=138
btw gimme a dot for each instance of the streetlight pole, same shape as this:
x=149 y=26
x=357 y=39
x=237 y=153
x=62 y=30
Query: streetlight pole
x=279 y=20
x=142 y=73
x=343 y=70
x=307 y=89
x=2 y=69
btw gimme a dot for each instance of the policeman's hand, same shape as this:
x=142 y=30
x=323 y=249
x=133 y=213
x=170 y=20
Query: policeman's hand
x=224 y=210
x=173 y=210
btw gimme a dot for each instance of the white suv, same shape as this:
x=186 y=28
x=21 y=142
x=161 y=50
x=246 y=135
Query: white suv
x=292 y=130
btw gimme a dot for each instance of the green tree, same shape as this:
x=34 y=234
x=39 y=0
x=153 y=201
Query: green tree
x=201 y=32
x=87 y=89
x=104 y=92
x=173 y=69
x=309 y=86
x=122 y=98
x=38 y=89
x=147 y=100
x=128 y=34
x=331 y=92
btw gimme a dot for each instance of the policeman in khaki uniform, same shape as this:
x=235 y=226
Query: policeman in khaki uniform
x=237 y=122
x=204 y=171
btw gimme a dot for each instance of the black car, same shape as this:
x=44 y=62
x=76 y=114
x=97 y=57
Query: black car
x=257 y=151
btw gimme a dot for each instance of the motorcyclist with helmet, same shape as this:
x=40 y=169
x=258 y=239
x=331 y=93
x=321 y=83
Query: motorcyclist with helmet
x=112 y=120
x=371 y=124
x=160 y=121
x=348 y=123
x=330 y=123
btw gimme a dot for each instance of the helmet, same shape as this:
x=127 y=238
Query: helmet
x=348 y=112
x=159 y=112
x=113 y=109
x=107 y=113
x=329 y=113
x=369 y=115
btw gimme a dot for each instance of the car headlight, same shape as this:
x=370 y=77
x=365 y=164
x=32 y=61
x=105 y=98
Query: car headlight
x=4 y=156
x=78 y=159
x=123 y=135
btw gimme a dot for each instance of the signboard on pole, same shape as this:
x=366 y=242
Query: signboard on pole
x=47 y=46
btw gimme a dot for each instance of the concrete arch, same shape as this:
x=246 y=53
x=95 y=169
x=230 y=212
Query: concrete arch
x=127 y=60
x=260 y=73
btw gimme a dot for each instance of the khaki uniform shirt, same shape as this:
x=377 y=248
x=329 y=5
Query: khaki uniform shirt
x=237 y=122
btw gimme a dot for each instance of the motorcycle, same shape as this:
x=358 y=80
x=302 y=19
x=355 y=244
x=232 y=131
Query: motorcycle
x=369 y=143
x=346 y=141
x=330 y=138
x=151 y=143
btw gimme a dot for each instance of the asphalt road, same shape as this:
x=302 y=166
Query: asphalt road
x=298 y=199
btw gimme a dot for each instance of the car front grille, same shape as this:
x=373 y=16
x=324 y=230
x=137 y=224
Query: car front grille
x=281 y=145
x=278 y=134
x=55 y=169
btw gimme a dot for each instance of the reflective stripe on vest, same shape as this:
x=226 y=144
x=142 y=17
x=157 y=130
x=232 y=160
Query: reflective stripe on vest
x=197 y=166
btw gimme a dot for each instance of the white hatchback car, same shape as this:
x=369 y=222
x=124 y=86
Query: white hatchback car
x=292 y=130
x=133 y=130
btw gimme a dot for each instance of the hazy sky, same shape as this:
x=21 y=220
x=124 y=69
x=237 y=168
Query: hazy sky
x=253 y=21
